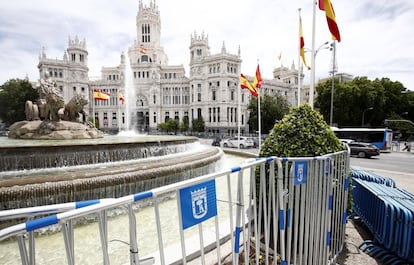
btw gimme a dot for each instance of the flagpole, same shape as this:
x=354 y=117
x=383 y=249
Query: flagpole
x=93 y=109
x=238 y=115
x=260 y=119
x=299 y=49
x=119 y=113
x=312 y=80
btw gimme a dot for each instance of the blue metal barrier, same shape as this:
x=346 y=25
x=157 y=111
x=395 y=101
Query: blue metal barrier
x=388 y=212
x=295 y=207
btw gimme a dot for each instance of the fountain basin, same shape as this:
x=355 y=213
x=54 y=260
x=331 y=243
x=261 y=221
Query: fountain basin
x=163 y=161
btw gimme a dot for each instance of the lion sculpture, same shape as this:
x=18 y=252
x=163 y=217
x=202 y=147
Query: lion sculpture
x=51 y=106
x=75 y=107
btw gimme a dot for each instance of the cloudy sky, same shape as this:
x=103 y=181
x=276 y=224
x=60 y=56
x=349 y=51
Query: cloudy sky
x=376 y=35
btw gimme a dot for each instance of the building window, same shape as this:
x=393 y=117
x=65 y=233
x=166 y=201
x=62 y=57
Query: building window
x=214 y=95
x=232 y=95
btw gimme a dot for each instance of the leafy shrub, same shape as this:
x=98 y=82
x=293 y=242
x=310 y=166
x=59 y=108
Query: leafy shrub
x=301 y=132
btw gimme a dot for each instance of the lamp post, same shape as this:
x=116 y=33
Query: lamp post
x=363 y=114
x=312 y=82
x=333 y=48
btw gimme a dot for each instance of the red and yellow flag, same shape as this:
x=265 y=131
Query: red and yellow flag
x=142 y=50
x=330 y=18
x=302 y=44
x=99 y=95
x=245 y=84
x=257 y=82
x=121 y=97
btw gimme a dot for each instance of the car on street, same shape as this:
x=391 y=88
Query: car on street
x=234 y=142
x=361 y=149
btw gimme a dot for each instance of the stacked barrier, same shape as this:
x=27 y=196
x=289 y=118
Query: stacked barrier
x=388 y=212
x=294 y=207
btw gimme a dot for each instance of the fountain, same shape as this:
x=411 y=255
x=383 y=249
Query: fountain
x=129 y=92
x=47 y=166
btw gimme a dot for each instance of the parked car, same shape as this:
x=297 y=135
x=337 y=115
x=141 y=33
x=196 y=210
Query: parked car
x=363 y=149
x=245 y=142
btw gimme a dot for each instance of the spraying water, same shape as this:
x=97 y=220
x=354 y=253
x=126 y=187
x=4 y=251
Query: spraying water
x=130 y=95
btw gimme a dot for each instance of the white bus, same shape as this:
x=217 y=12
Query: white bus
x=380 y=137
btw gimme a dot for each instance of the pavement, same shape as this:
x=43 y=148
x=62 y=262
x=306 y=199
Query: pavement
x=355 y=234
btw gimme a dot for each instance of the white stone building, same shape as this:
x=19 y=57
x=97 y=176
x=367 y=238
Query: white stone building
x=155 y=91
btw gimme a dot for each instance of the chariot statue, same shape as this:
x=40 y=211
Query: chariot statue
x=51 y=107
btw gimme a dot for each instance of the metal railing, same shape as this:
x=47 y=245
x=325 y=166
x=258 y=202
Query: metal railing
x=388 y=212
x=295 y=207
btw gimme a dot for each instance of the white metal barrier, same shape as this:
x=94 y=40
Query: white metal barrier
x=295 y=208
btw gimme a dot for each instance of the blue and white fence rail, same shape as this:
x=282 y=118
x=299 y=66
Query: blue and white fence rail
x=295 y=207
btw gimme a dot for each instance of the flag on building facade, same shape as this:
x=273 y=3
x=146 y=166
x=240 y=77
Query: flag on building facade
x=302 y=44
x=99 y=95
x=121 y=97
x=142 y=50
x=245 y=84
x=330 y=18
x=257 y=82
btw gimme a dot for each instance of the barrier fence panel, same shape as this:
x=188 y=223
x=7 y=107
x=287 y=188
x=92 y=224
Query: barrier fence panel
x=287 y=210
x=388 y=212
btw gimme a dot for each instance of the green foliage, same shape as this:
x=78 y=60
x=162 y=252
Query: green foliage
x=185 y=125
x=171 y=125
x=302 y=132
x=198 y=125
x=353 y=98
x=13 y=96
x=272 y=108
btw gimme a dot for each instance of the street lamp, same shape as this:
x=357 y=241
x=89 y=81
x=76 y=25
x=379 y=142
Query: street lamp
x=363 y=114
x=333 y=49
x=312 y=82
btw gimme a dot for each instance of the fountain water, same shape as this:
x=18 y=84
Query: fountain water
x=36 y=173
x=129 y=87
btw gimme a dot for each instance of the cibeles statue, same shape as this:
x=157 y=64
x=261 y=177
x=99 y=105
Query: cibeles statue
x=49 y=118
x=51 y=107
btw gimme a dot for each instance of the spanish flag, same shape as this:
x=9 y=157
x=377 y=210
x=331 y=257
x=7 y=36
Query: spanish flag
x=330 y=18
x=257 y=82
x=142 y=50
x=99 y=95
x=302 y=44
x=121 y=97
x=245 y=84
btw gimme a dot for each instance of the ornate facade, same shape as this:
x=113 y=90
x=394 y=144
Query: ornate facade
x=155 y=91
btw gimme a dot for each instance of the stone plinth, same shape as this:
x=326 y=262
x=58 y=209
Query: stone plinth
x=52 y=130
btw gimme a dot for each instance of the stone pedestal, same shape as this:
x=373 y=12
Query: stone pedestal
x=52 y=130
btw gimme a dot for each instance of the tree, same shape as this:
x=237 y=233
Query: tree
x=198 y=125
x=185 y=124
x=13 y=95
x=353 y=99
x=272 y=108
x=302 y=132
x=171 y=125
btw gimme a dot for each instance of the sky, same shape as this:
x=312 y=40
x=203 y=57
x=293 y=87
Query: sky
x=376 y=36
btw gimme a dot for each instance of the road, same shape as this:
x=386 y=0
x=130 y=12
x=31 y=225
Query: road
x=397 y=165
x=395 y=161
